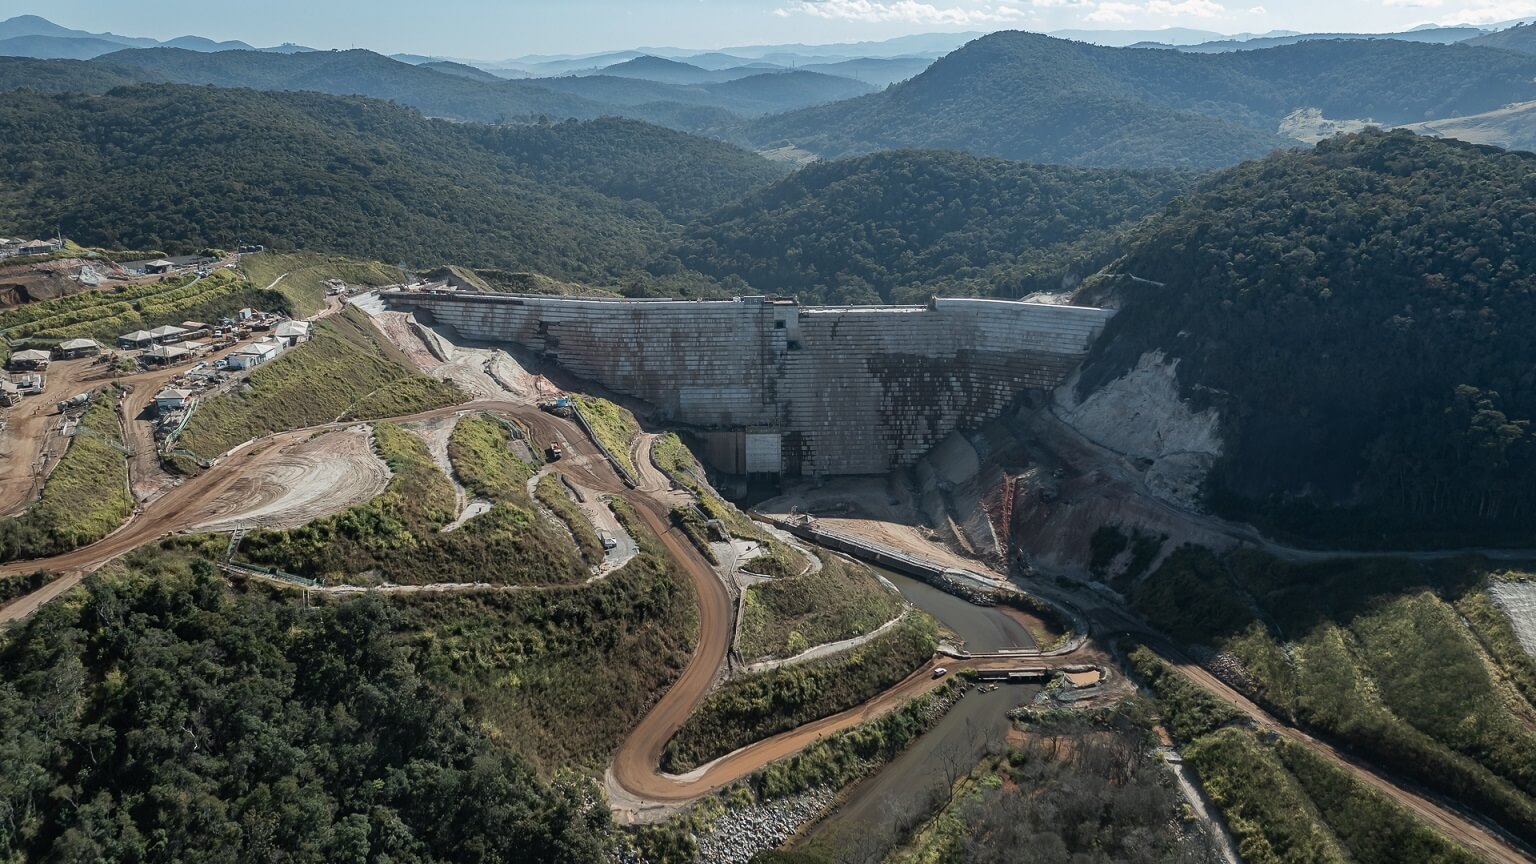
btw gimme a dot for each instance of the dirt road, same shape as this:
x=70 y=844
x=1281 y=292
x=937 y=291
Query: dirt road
x=635 y=774
x=31 y=443
x=1483 y=841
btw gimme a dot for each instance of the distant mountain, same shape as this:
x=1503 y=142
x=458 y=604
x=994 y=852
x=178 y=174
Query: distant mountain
x=891 y=227
x=162 y=166
x=361 y=73
x=39 y=38
x=876 y=71
x=902 y=46
x=1026 y=96
x=198 y=43
x=1436 y=35
x=1383 y=277
x=751 y=96
x=462 y=70
x=57 y=47
x=1123 y=38
x=660 y=69
x=567 y=65
x=1512 y=127
x=1520 y=38
x=33 y=25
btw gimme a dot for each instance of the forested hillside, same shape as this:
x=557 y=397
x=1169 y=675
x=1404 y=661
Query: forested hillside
x=908 y=224
x=1031 y=97
x=159 y=716
x=1520 y=38
x=181 y=168
x=65 y=76
x=1362 y=316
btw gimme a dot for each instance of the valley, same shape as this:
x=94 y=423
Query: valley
x=959 y=448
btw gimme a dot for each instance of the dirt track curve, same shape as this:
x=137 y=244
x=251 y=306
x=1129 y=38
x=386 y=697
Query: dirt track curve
x=635 y=767
x=1481 y=840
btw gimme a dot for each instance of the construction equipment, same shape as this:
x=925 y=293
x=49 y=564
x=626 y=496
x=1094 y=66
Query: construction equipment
x=553 y=452
x=77 y=401
x=562 y=407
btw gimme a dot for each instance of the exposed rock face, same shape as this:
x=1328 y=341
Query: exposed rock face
x=1142 y=415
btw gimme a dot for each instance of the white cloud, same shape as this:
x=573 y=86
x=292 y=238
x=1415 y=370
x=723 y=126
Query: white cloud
x=1490 y=11
x=1413 y=4
x=1193 y=8
x=904 y=11
x=1258 y=10
x=1113 y=13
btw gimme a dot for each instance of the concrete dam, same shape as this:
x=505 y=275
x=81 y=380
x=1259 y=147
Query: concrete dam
x=775 y=388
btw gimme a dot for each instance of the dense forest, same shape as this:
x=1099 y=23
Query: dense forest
x=905 y=225
x=161 y=717
x=1361 y=316
x=1026 y=96
x=181 y=168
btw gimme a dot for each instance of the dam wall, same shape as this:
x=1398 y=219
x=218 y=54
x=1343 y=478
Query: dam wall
x=777 y=388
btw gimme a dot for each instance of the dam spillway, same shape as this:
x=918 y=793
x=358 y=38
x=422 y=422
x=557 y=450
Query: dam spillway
x=773 y=387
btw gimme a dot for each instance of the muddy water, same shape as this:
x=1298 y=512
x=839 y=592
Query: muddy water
x=982 y=628
x=880 y=808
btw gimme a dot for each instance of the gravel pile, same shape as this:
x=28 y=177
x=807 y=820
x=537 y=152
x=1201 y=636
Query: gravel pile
x=1518 y=600
x=743 y=832
x=1231 y=671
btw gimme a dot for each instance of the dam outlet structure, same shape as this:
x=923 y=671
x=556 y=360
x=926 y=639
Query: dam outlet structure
x=775 y=388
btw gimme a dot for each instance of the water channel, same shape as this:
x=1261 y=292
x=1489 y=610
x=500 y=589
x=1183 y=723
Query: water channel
x=866 y=826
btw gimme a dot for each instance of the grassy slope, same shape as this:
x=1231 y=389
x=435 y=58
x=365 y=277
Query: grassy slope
x=615 y=428
x=105 y=315
x=1283 y=802
x=481 y=452
x=560 y=676
x=785 y=617
x=1355 y=664
x=86 y=497
x=674 y=458
x=551 y=493
x=346 y=371
x=304 y=274
x=758 y=706
x=397 y=536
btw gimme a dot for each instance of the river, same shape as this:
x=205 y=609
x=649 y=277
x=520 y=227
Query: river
x=865 y=827
x=982 y=628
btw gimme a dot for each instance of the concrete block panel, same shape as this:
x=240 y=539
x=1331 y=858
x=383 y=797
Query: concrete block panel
x=824 y=391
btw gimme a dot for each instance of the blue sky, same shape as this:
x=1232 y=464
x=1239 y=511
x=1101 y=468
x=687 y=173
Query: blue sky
x=498 y=29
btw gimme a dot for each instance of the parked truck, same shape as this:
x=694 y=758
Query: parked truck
x=74 y=402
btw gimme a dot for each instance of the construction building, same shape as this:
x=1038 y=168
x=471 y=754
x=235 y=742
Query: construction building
x=168 y=334
x=165 y=355
x=71 y=349
x=136 y=339
x=775 y=388
x=254 y=354
x=34 y=359
x=171 y=399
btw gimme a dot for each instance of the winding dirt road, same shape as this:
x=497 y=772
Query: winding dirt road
x=635 y=772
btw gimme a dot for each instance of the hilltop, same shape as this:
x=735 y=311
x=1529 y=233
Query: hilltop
x=1358 y=318
x=1025 y=96
x=905 y=225
x=171 y=167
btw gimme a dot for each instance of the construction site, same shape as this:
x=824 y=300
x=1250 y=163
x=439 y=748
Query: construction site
x=918 y=439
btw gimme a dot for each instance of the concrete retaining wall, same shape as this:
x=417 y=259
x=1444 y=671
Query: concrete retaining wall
x=848 y=390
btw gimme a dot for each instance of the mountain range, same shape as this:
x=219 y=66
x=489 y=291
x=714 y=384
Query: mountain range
x=1031 y=97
